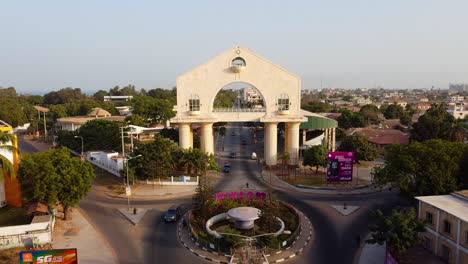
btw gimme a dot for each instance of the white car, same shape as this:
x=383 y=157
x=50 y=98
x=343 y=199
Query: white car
x=253 y=156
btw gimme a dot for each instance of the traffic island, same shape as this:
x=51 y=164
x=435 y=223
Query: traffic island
x=229 y=249
x=134 y=215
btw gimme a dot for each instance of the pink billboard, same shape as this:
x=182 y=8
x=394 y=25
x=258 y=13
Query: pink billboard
x=340 y=166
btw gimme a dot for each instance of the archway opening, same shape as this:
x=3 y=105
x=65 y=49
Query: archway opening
x=239 y=97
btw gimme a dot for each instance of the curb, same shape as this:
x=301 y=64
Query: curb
x=179 y=227
x=193 y=251
x=126 y=217
x=338 y=192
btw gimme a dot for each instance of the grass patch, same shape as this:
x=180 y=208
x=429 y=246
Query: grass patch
x=13 y=216
x=311 y=179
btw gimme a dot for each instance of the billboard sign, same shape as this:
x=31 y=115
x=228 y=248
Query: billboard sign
x=58 y=256
x=340 y=166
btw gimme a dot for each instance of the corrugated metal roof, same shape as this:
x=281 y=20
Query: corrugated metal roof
x=316 y=121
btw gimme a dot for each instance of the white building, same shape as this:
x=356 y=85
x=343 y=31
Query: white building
x=108 y=160
x=456 y=99
x=117 y=98
x=458 y=110
x=73 y=123
x=362 y=101
x=446 y=221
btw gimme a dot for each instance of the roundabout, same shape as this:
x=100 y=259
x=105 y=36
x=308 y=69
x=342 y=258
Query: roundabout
x=238 y=235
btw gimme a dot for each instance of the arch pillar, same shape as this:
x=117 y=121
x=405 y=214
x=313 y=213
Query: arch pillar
x=333 y=139
x=292 y=140
x=207 y=141
x=191 y=135
x=184 y=135
x=271 y=140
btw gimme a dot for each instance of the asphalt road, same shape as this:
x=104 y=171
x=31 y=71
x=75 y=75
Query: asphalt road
x=154 y=241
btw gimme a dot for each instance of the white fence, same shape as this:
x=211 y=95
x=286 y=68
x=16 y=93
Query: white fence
x=38 y=232
x=183 y=180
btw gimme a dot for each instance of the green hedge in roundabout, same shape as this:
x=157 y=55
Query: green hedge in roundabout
x=266 y=223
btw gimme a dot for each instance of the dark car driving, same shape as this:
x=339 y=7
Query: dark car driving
x=173 y=214
x=227 y=168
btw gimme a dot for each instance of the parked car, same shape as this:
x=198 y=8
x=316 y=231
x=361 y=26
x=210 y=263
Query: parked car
x=253 y=156
x=232 y=155
x=227 y=168
x=244 y=142
x=173 y=214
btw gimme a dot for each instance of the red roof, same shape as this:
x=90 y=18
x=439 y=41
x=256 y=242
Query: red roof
x=384 y=136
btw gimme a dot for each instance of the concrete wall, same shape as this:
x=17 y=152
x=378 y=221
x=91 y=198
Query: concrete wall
x=24 y=235
x=104 y=160
x=174 y=181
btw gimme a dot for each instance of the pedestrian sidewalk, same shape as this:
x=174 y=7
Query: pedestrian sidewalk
x=272 y=179
x=79 y=233
x=301 y=241
x=151 y=192
x=36 y=143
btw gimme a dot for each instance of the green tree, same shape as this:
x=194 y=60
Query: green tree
x=316 y=156
x=157 y=159
x=98 y=134
x=363 y=150
x=54 y=177
x=347 y=98
x=399 y=230
x=6 y=167
x=194 y=161
x=317 y=107
x=63 y=96
x=405 y=119
x=349 y=119
x=203 y=199
x=432 y=167
x=137 y=120
x=435 y=123
x=11 y=108
x=268 y=214
x=99 y=95
x=225 y=99
x=159 y=93
x=156 y=110
x=393 y=111
x=370 y=113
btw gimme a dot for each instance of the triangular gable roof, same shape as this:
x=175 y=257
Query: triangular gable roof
x=232 y=50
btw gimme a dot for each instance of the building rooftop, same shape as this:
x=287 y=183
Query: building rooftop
x=383 y=136
x=451 y=204
x=84 y=119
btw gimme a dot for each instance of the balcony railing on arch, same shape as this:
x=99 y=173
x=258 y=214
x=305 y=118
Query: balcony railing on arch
x=234 y=109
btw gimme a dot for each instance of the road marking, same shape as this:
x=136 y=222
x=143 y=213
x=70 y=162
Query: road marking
x=279 y=260
x=278 y=252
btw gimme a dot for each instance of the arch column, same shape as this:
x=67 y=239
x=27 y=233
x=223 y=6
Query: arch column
x=271 y=140
x=191 y=135
x=333 y=139
x=184 y=135
x=293 y=141
x=207 y=142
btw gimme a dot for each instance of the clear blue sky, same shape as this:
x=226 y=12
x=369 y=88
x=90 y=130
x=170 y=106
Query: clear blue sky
x=47 y=45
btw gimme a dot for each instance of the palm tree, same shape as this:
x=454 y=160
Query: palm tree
x=194 y=161
x=6 y=166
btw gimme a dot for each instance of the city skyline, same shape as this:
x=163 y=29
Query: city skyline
x=399 y=45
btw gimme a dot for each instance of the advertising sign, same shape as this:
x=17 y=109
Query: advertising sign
x=340 y=166
x=59 y=256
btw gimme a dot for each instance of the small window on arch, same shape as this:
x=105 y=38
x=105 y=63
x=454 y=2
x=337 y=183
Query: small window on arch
x=238 y=62
x=283 y=102
x=194 y=103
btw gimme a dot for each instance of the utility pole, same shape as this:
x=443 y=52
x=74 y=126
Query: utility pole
x=123 y=149
x=45 y=129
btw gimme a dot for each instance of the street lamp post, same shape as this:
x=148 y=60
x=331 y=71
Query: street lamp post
x=82 y=157
x=128 y=193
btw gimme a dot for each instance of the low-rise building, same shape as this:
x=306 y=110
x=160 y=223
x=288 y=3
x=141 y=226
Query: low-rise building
x=446 y=221
x=458 y=110
x=423 y=106
x=382 y=138
x=117 y=98
x=455 y=99
x=362 y=101
x=73 y=123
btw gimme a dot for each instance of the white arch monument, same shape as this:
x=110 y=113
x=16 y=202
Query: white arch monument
x=281 y=90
